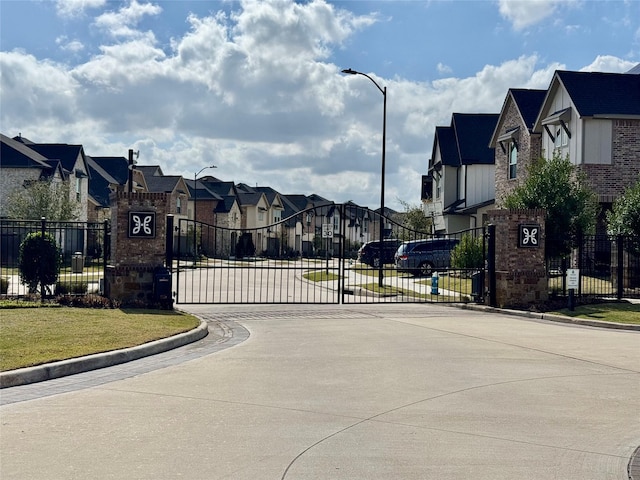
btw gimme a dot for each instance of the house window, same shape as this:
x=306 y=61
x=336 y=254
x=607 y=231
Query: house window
x=513 y=160
x=336 y=223
x=438 y=188
x=78 y=189
x=178 y=205
x=260 y=216
x=365 y=225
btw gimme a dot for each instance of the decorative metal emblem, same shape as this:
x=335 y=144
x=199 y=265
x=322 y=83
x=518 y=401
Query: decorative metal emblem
x=142 y=224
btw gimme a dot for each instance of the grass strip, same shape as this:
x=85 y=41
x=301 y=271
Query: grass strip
x=618 y=312
x=33 y=336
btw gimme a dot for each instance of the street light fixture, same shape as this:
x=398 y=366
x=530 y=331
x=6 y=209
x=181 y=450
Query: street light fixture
x=195 y=203
x=383 y=90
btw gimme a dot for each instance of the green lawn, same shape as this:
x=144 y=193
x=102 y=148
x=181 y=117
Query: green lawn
x=619 y=312
x=32 y=336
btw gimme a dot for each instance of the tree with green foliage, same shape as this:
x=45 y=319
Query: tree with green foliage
x=413 y=218
x=468 y=253
x=571 y=206
x=624 y=218
x=43 y=198
x=39 y=261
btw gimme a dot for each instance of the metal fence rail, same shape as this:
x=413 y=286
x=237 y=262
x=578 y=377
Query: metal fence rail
x=609 y=266
x=315 y=256
x=84 y=248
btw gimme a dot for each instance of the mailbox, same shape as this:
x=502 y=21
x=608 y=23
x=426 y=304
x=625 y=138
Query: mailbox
x=77 y=262
x=477 y=286
x=162 y=286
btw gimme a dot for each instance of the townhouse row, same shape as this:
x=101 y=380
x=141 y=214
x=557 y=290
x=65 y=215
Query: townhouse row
x=234 y=207
x=479 y=159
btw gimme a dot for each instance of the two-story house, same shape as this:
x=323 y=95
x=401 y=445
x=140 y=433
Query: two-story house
x=514 y=140
x=462 y=173
x=74 y=165
x=20 y=165
x=594 y=119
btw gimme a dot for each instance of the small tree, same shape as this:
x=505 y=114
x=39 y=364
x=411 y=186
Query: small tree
x=571 y=206
x=43 y=198
x=468 y=253
x=413 y=218
x=39 y=261
x=624 y=218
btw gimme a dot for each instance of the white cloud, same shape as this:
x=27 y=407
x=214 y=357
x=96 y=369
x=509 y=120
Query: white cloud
x=523 y=14
x=609 y=64
x=121 y=23
x=74 y=8
x=254 y=93
x=444 y=69
x=65 y=44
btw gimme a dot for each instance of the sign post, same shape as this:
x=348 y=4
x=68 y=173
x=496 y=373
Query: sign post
x=327 y=232
x=573 y=283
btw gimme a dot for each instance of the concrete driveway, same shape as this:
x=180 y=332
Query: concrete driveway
x=389 y=391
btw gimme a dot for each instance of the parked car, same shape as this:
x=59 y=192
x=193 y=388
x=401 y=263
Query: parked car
x=369 y=253
x=422 y=257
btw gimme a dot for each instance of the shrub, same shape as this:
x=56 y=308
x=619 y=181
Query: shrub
x=39 y=260
x=87 y=301
x=74 y=287
x=468 y=253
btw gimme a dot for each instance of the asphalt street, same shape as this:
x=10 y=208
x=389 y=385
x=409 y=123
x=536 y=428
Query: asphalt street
x=391 y=391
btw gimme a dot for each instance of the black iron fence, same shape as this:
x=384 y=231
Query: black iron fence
x=608 y=266
x=83 y=248
x=326 y=254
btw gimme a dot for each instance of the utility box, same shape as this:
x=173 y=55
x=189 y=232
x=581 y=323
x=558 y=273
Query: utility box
x=162 y=286
x=77 y=262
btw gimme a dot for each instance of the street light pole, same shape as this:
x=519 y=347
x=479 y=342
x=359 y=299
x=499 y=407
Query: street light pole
x=195 y=203
x=383 y=90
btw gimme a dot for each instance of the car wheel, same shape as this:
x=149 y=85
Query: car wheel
x=426 y=269
x=376 y=262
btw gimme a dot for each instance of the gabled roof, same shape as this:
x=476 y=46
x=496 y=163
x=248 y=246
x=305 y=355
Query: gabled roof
x=162 y=184
x=596 y=94
x=250 y=198
x=150 y=170
x=101 y=180
x=445 y=140
x=218 y=187
x=473 y=132
x=116 y=167
x=204 y=192
x=67 y=154
x=226 y=204
x=527 y=102
x=635 y=70
x=16 y=154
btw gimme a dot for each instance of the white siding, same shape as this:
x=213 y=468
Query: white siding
x=480 y=184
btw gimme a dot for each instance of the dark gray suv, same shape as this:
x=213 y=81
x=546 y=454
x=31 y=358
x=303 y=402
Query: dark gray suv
x=422 y=257
x=369 y=253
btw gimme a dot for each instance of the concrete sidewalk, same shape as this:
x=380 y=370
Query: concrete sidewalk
x=348 y=392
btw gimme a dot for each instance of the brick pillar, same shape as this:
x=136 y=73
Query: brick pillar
x=521 y=279
x=138 y=232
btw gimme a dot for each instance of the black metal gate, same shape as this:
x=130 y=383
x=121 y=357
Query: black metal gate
x=325 y=254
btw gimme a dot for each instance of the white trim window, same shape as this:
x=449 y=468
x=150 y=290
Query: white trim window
x=513 y=160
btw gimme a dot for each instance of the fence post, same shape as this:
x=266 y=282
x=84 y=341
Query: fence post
x=106 y=248
x=580 y=240
x=491 y=265
x=620 y=279
x=169 y=243
x=43 y=226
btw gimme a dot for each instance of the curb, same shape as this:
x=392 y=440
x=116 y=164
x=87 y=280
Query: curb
x=49 y=371
x=552 y=318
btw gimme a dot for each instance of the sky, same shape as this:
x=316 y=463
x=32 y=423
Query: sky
x=256 y=89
